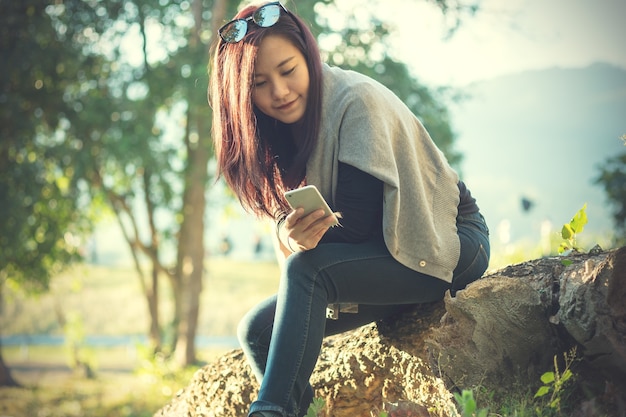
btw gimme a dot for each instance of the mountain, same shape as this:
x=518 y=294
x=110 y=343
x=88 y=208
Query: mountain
x=537 y=138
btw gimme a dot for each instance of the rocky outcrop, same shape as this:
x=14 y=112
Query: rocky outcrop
x=503 y=330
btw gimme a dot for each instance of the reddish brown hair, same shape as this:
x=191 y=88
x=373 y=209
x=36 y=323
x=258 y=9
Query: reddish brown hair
x=257 y=155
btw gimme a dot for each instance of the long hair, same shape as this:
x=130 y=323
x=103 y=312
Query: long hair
x=257 y=155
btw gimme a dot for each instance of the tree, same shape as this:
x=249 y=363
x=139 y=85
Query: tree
x=41 y=216
x=613 y=177
x=145 y=142
x=89 y=115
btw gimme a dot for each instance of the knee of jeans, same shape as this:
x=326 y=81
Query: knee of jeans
x=244 y=330
x=294 y=262
x=299 y=266
x=304 y=272
x=251 y=332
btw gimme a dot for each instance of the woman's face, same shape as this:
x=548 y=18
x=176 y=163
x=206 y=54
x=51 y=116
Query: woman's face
x=281 y=80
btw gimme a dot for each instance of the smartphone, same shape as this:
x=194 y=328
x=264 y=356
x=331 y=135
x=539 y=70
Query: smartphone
x=309 y=198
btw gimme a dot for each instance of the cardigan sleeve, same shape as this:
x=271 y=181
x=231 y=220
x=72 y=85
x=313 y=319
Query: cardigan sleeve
x=359 y=199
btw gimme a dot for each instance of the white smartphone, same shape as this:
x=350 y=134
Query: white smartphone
x=309 y=198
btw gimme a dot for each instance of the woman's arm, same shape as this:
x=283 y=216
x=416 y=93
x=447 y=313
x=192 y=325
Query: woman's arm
x=359 y=199
x=281 y=251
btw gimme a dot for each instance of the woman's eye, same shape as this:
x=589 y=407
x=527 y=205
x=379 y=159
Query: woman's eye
x=290 y=71
x=259 y=84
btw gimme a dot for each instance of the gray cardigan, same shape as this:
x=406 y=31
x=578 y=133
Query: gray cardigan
x=365 y=125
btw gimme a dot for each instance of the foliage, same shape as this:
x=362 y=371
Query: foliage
x=158 y=367
x=117 y=97
x=78 y=354
x=467 y=404
x=316 y=407
x=554 y=385
x=613 y=177
x=552 y=399
x=570 y=230
x=42 y=216
x=110 y=394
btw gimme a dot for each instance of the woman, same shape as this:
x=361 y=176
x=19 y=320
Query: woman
x=410 y=230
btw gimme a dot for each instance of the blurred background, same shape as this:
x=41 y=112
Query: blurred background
x=124 y=265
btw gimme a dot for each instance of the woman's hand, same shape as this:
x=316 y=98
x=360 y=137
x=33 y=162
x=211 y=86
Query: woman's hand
x=304 y=232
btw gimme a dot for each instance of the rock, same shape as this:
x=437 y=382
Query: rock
x=493 y=335
x=502 y=330
x=360 y=372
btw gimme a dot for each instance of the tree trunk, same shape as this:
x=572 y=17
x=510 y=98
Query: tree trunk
x=6 y=379
x=511 y=326
x=191 y=243
x=151 y=288
x=190 y=268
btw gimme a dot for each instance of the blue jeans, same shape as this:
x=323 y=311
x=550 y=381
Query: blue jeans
x=294 y=320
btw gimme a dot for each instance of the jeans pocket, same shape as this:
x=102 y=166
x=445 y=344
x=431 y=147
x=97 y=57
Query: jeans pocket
x=474 y=221
x=472 y=272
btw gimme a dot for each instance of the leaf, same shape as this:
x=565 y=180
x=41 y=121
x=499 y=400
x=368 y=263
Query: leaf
x=316 y=407
x=63 y=183
x=566 y=375
x=466 y=402
x=547 y=378
x=567 y=232
x=542 y=391
x=579 y=220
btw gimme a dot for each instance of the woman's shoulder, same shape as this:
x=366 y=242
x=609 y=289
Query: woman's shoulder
x=339 y=77
x=348 y=85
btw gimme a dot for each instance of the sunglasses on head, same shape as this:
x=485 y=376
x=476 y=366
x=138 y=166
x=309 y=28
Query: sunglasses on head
x=265 y=16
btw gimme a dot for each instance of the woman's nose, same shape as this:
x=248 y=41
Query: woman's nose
x=280 y=90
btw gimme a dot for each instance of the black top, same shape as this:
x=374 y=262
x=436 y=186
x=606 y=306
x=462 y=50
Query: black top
x=359 y=198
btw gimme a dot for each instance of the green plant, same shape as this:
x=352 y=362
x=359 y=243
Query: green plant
x=156 y=366
x=467 y=403
x=554 y=383
x=571 y=230
x=316 y=407
x=79 y=355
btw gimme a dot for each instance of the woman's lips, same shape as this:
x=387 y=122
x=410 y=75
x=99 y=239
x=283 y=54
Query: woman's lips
x=286 y=106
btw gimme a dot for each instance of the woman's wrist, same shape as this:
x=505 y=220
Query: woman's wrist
x=282 y=235
x=289 y=245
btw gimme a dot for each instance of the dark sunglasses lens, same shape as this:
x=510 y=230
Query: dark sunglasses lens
x=267 y=16
x=234 y=31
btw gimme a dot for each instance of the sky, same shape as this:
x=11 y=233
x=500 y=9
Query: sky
x=508 y=36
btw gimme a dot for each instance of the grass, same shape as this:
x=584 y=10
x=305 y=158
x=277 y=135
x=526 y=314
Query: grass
x=108 y=301
x=123 y=386
x=113 y=395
